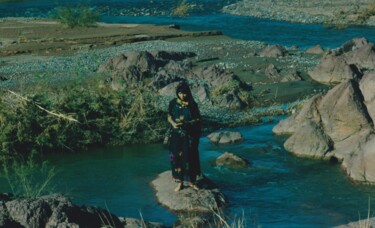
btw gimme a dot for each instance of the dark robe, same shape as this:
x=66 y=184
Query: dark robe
x=184 y=141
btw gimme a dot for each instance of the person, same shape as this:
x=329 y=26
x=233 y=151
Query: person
x=185 y=118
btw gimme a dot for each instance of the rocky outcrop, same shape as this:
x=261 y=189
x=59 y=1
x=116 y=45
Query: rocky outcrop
x=350 y=45
x=205 y=200
x=58 y=211
x=274 y=51
x=276 y=75
x=364 y=56
x=163 y=70
x=316 y=50
x=232 y=161
x=333 y=70
x=54 y=211
x=338 y=124
x=225 y=137
x=291 y=76
x=347 y=62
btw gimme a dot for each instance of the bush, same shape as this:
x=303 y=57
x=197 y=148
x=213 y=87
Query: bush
x=79 y=16
x=182 y=9
x=76 y=117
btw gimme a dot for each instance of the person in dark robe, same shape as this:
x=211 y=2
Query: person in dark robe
x=185 y=118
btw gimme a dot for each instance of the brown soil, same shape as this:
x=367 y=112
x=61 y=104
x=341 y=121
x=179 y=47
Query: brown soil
x=44 y=37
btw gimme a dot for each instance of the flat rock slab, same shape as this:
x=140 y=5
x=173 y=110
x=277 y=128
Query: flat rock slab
x=205 y=200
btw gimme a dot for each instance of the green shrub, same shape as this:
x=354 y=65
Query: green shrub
x=182 y=9
x=76 y=117
x=78 y=16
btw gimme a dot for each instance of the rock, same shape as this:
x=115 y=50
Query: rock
x=169 y=90
x=133 y=223
x=272 y=73
x=334 y=108
x=231 y=161
x=316 y=50
x=205 y=200
x=351 y=45
x=229 y=100
x=214 y=76
x=225 y=137
x=309 y=112
x=367 y=85
x=333 y=70
x=336 y=125
x=291 y=76
x=370 y=222
x=273 y=51
x=56 y=211
x=311 y=134
x=363 y=56
x=133 y=67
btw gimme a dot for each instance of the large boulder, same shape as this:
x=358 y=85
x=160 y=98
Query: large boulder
x=337 y=125
x=225 y=137
x=334 y=108
x=364 y=56
x=273 y=51
x=350 y=45
x=333 y=70
x=367 y=85
x=133 y=67
x=54 y=211
x=205 y=200
x=232 y=161
x=312 y=134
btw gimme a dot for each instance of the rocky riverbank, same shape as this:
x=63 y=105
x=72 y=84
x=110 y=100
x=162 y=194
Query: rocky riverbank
x=330 y=12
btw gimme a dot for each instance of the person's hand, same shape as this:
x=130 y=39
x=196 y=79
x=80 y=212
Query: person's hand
x=176 y=125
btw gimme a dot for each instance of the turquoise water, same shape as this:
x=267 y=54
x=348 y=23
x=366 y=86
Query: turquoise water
x=206 y=16
x=279 y=190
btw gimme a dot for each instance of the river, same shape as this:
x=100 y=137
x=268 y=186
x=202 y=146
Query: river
x=279 y=190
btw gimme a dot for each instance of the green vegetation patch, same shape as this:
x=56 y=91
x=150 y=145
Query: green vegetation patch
x=77 y=116
x=77 y=16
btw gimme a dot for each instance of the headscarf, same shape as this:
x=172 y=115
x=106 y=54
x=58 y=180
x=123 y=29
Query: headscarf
x=183 y=87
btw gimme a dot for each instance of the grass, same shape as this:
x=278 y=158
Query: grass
x=29 y=178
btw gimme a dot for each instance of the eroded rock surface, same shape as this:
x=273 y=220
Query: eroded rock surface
x=205 y=200
x=338 y=124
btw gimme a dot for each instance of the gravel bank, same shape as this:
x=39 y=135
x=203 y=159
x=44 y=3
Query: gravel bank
x=314 y=11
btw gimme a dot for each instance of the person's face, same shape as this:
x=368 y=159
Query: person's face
x=182 y=96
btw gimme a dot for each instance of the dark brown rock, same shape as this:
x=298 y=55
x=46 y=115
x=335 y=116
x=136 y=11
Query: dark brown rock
x=232 y=161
